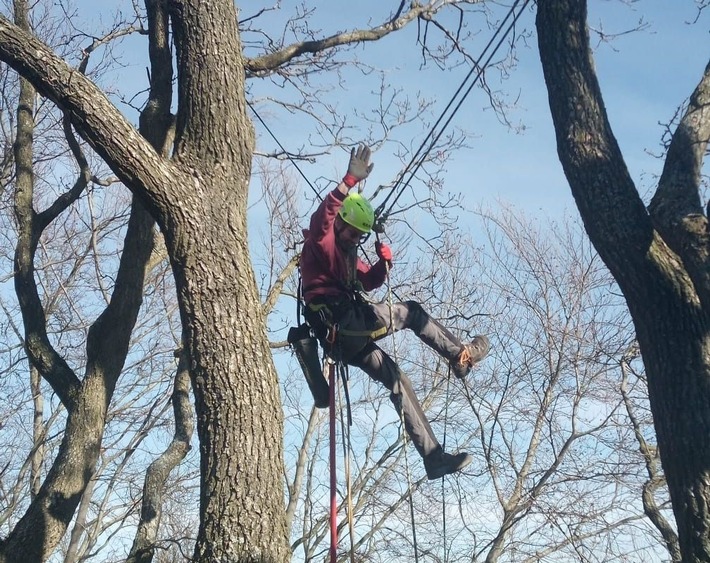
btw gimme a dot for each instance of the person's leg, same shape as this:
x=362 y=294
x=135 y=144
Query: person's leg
x=380 y=367
x=411 y=315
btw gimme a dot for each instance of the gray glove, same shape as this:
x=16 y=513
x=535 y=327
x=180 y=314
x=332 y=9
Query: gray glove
x=359 y=167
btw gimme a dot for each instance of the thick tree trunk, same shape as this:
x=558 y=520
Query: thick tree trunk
x=199 y=200
x=665 y=299
x=239 y=417
x=236 y=397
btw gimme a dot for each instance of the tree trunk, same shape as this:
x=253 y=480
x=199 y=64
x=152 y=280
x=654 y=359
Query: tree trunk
x=199 y=200
x=665 y=296
x=237 y=402
x=236 y=399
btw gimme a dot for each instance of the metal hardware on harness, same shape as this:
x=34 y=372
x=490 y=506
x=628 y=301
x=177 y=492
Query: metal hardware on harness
x=332 y=334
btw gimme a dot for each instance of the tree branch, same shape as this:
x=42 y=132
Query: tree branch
x=40 y=351
x=94 y=117
x=159 y=470
x=276 y=288
x=267 y=64
x=676 y=209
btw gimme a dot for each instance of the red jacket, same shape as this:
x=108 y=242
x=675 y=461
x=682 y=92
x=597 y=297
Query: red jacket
x=324 y=266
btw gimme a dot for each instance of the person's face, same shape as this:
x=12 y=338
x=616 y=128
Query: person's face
x=347 y=236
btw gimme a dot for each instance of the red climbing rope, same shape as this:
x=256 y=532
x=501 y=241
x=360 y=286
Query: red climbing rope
x=333 y=476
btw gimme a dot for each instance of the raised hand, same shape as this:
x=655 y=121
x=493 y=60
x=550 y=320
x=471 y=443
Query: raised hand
x=359 y=167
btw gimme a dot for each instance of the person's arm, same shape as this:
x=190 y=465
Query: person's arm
x=359 y=168
x=373 y=277
x=323 y=218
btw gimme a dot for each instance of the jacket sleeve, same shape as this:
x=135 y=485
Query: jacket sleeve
x=371 y=277
x=323 y=218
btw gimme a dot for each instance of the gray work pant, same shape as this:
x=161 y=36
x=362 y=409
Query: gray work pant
x=379 y=366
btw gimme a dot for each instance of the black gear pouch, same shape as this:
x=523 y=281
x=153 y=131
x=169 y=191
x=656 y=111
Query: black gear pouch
x=305 y=346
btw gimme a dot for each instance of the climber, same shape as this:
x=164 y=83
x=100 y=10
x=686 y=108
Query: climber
x=334 y=283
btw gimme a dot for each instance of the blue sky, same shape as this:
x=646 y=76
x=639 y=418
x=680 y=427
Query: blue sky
x=650 y=74
x=644 y=76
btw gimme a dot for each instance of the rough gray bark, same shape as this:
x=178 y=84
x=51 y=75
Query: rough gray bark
x=199 y=200
x=659 y=256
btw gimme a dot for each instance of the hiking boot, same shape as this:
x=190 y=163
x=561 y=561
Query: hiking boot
x=471 y=354
x=440 y=463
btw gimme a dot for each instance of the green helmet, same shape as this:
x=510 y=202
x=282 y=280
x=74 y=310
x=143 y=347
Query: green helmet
x=358 y=212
